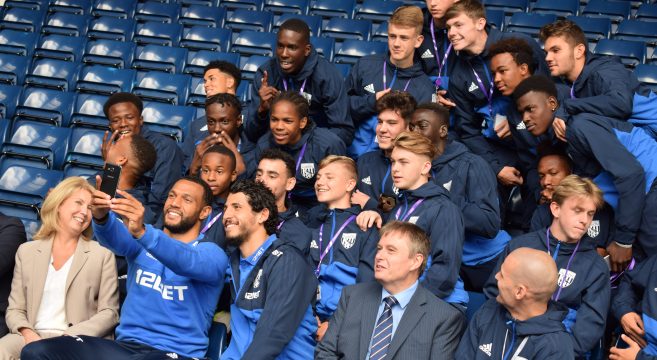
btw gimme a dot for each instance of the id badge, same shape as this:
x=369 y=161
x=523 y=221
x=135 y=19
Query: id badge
x=319 y=293
x=386 y=203
x=442 y=82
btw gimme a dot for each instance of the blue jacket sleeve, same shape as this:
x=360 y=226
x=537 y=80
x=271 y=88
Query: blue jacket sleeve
x=481 y=209
x=362 y=104
x=204 y=262
x=291 y=287
x=367 y=253
x=592 y=313
x=615 y=99
x=643 y=356
x=632 y=287
x=116 y=237
x=447 y=236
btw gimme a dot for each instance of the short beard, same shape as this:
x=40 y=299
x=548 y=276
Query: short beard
x=184 y=226
x=235 y=241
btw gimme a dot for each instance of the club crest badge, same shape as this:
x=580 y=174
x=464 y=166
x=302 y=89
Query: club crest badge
x=594 y=229
x=565 y=278
x=308 y=170
x=348 y=240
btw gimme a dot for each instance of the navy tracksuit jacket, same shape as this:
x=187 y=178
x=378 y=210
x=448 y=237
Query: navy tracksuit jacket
x=585 y=285
x=427 y=52
x=293 y=230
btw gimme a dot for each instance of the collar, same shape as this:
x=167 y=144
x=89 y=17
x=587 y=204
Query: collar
x=253 y=259
x=404 y=297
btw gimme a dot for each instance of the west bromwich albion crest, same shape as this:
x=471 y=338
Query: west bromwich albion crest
x=348 y=240
x=308 y=170
x=594 y=229
x=565 y=278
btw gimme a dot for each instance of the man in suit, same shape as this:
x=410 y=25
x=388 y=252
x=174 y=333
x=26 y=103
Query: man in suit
x=393 y=318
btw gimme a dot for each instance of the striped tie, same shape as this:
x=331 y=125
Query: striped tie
x=383 y=330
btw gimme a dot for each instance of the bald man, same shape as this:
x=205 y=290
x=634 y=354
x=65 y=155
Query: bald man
x=522 y=322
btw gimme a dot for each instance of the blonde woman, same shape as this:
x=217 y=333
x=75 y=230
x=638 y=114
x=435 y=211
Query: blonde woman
x=64 y=283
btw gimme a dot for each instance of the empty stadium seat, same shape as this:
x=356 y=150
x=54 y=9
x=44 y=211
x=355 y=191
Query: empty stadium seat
x=46 y=105
x=529 y=24
x=84 y=148
x=66 y=24
x=632 y=53
x=82 y=171
x=495 y=18
x=9 y=97
x=124 y=9
x=637 y=30
x=195 y=15
x=197 y=93
x=31 y=227
x=160 y=58
x=278 y=7
x=376 y=11
x=17 y=42
x=646 y=12
x=333 y=8
x=163 y=87
x=170 y=120
x=98 y=79
x=25 y=187
x=37 y=144
x=88 y=112
x=616 y=11
x=118 y=54
x=206 y=38
x=561 y=8
x=352 y=50
x=60 y=47
x=325 y=46
x=197 y=61
x=152 y=32
x=230 y=5
x=255 y=43
x=243 y=19
x=30 y=5
x=13 y=69
x=251 y=64
x=313 y=22
x=158 y=12
x=243 y=93
x=508 y=6
x=111 y=28
x=53 y=74
x=208 y=3
x=647 y=75
x=346 y=29
x=77 y=7
x=22 y=19
x=594 y=28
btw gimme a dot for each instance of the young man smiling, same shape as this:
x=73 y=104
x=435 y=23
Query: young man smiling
x=376 y=75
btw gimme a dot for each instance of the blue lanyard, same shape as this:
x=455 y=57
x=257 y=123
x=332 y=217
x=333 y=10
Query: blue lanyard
x=394 y=78
x=385 y=178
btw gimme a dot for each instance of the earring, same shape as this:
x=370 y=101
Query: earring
x=553 y=109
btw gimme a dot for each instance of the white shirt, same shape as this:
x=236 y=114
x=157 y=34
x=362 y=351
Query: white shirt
x=52 y=311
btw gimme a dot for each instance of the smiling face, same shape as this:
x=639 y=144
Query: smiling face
x=74 y=213
x=537 y=111
x=125 y=118
x=292 y=51
x=390 y=124
x=333 y=183
x=409 y=170
x=223 y=118
x=274 y=175
x=285 y=124
x=551 y=170
x=573 y=218
x=507 y=74
x=402 y=42
x=463 y=31
x=240 y=221
x=216 y=82
x=218 y=171
x=394 y=262
x=184 y=207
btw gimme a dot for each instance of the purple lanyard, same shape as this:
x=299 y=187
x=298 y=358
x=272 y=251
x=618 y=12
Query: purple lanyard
x=303 y=151
x=211 y=222
x=406 y=215
x=489 y=93
x=616 y=276
x=303 y=85
x=572 y=256
x=394 y=77
x=441 y=64
x=280 y=225
x=572 y=91
x=330 y=244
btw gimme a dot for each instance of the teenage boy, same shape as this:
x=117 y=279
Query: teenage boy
x=376 y=75
x=583 y=284
x=472 y=187
x=298 y=67
x=617 y=156
x=349 y=260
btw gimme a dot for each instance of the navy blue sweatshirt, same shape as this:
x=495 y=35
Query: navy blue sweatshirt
x=349 y=260
x=428 y=52
x=492 y=333
x=635 y=294
x=365 y=80
x=585 y=285
x=293 y=230
x=472 y=121
x=329 y=105
x=374 y=177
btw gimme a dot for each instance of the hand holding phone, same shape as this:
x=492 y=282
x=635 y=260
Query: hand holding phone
x=110 y=179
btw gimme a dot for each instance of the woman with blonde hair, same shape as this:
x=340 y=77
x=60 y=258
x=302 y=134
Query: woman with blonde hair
x=64 y=283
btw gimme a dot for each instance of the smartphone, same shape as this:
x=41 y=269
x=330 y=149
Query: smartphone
x=110 y=179
x=620 y=344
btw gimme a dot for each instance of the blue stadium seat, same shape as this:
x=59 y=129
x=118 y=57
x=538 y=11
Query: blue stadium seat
x=13 y=69
x=118 y=54
x=313 y=22
x=84 y=148
x=477 y=299
x=158 y=33
x=170 y=120
x=17 y=42
x=158 y=12
x=9 y=96
x=251 y=64
x=111 y=29
x=352 y=50
x=163 y=87
x=208 y=3
x=278 y=7
x=346 y=29
x=53 y=74
x=37 y=144
x=60 y=47
x=230 y=5
x=376 y=11
x=197 y=61
x=25 y=187
x=206 y=38
x=22 y=4
x=508 y=6
x=123 y=9
x=637 y=30
x=529 y=24
x=203 y=15
x=325 y=46
x=98 y=79
x=594 y=28
x=66 y=24
x=333 y=8
x=632 y=53
x=495 y=18
x=380 y=32
x=88 y=112
x=22 y=19
x=218 y=337
x=561 y=8
x=617 y=11
x=243 y=93
x=344 y=68
x=646 y=12
x=255 y=43
x=77 y=7
x=46 y=105
x=160 y=58
x=647 y=75
x=82 y=171
x=243 y=19
x=31 y=227
x=197 y=93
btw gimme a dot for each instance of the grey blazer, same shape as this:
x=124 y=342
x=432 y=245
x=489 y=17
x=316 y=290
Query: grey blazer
x=429 y=329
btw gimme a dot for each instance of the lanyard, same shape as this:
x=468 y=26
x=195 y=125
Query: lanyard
x=385 y=178
x=330 y=244
x=616 y=276
x=441 y=64
x=570 y=259
x=572 y=92
x=394 y=77
x=303 y=85
x=303 y=151
x=280 y=225
x=489 y=93
x=211 y=222
x=408 y=213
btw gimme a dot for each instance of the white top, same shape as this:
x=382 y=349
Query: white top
x=52 y=311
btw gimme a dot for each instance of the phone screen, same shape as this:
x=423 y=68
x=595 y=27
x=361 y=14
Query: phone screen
x=110 y=180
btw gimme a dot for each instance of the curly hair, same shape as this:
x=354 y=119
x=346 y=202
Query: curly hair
x=259 y=197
